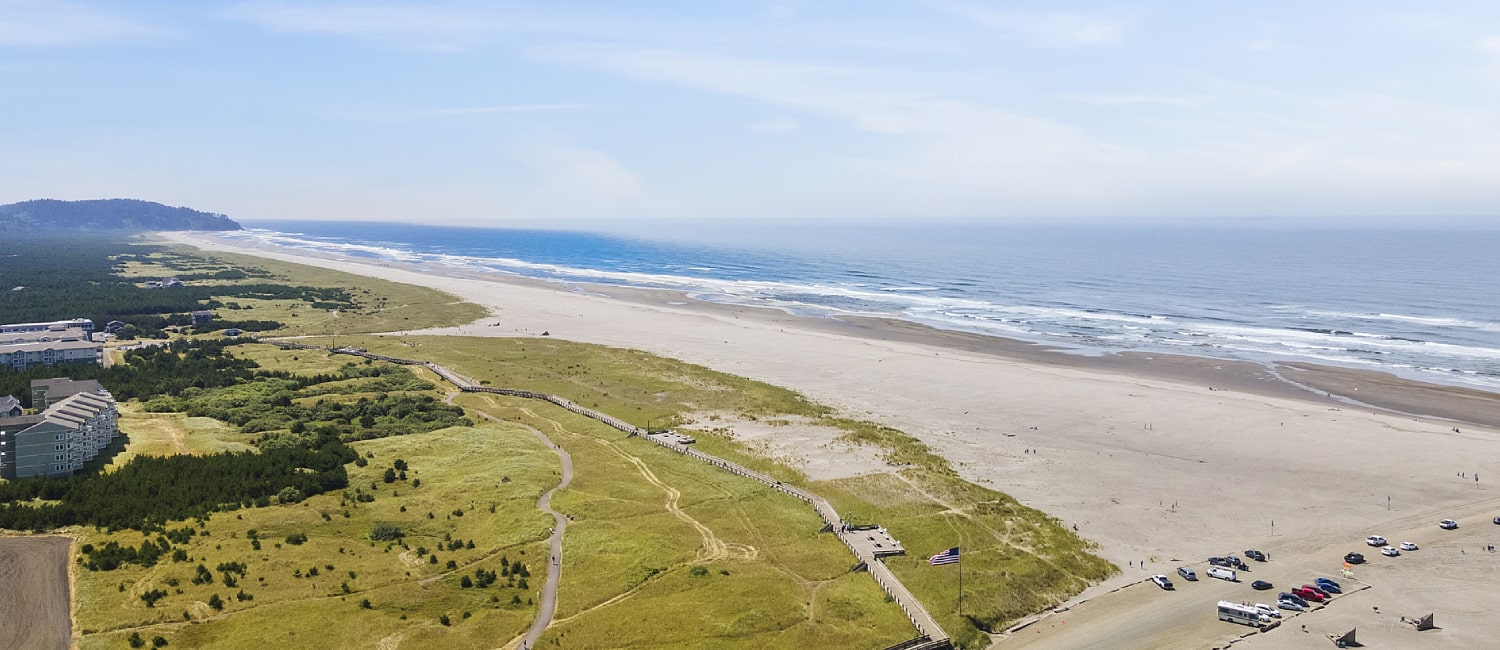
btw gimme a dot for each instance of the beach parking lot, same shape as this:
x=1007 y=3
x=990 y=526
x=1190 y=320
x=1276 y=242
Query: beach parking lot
x=1449 y=576
x=34 y=610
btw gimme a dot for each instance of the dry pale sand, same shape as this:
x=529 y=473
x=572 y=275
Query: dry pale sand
x=1137 y=450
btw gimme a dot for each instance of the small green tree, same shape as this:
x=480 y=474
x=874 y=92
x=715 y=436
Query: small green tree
x=135 y=640
x=289 y=494
x=389 y=476
x=216 y=602
x=443 y=619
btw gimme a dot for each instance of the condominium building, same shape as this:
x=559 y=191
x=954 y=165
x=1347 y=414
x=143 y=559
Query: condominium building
x=77 y=323
x=73 y=422
x=23 y=345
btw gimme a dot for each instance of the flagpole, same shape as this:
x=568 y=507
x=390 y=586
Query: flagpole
x=960 y=585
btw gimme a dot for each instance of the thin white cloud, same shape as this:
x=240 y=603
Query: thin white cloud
x=1488 y=45
x=425 y=26
x=861 y=98
x=27 y=23
x=1126 y=100
x=1046 y=27
x=399 y=116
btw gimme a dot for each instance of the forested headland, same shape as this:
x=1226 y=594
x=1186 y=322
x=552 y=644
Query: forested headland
x=107 y=214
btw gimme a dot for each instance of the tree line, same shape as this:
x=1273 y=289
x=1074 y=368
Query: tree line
x=43 y=284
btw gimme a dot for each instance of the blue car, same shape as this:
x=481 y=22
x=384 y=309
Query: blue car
x=1328 y=585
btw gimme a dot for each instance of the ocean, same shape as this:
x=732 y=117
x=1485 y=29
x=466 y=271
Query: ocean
x=1424 y=304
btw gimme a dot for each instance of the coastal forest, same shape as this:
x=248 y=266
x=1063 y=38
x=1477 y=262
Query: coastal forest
x=52 y=276
x=201 y=378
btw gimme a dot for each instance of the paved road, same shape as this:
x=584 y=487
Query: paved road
x=34 y=592
x=554 y=557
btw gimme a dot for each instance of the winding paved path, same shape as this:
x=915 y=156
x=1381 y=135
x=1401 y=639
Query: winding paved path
x=554 y=558
x=560 y=525
x=932 y=635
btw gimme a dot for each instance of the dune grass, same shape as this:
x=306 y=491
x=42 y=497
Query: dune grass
x=1019 y=560
x=166 y=434
x=664 y=551
x=473 y=469
x=383 y=306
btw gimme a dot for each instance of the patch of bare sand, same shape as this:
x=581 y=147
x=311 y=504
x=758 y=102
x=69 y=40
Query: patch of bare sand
x=798 y=442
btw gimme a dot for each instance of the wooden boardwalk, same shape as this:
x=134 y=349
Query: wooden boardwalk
x=930 y=635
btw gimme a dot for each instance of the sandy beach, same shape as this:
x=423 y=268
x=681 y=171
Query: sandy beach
x=1300 y=461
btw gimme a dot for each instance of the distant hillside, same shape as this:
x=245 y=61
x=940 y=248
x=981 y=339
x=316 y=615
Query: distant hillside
x=107 y=214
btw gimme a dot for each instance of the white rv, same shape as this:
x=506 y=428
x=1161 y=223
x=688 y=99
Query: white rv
x=1222 y=573
x=1242 y=614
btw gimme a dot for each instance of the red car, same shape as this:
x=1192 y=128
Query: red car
x=1308 y=594
x=1320 y=590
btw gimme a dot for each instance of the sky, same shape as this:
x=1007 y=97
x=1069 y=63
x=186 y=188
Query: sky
x=529 y=113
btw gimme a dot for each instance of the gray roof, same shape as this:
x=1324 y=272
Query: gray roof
x=78 y=408
x=8 y=403
x=49 y=345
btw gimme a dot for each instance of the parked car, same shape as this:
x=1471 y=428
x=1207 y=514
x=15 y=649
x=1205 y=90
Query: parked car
x=1219 y=561
x=1329 y=587
x=1408 y=546
x=1222 y=573
x=1267 y=610
x=1354 y=558
x=1292 y=597
x=1255 y=555
x=1447 y=524
x=1327 y=582
x=1375 y=540
x=1162 y=581
x=1290 y=605
x=1237 y=563
x=1320 y=591
x=1390 y=551
x=1308 y=594
x=1496 y=520
x=1187 y=573
x=1260 y=585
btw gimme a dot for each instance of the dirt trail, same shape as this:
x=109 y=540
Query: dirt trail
x=713 y=547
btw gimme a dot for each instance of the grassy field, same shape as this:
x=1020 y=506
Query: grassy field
x=382 y=306
x=492 y=473
x=163 y=434
x=663 y=551
x=1018 y=560
x=668 y=552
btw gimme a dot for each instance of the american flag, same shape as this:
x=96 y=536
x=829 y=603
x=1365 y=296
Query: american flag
x=949 y=556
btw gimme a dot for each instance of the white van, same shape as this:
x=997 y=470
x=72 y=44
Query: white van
x=1222 y=573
